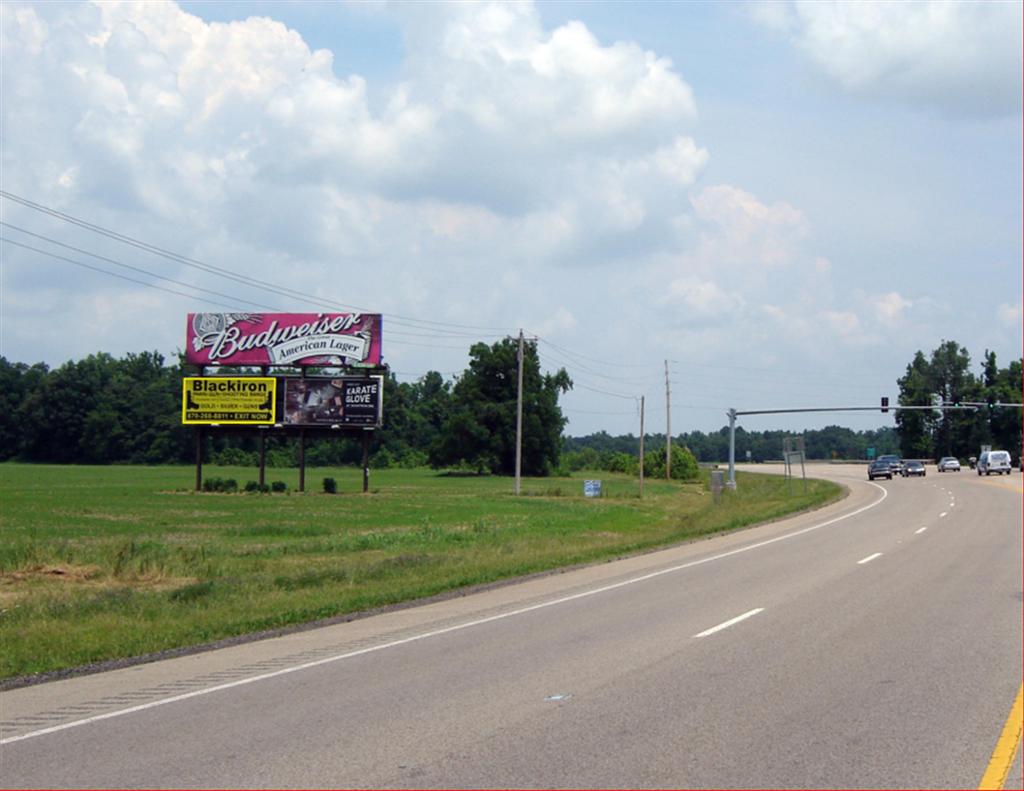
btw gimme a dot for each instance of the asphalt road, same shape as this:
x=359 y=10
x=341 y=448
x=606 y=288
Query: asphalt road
x=873 y=644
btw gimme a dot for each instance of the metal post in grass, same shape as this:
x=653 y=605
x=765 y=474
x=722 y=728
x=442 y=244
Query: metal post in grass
x=302 y=459
x=641 y=447
x=731 y=483
x=519 y=416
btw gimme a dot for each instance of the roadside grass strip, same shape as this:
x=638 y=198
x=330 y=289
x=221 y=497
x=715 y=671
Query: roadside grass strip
x=105 y=563
x=457 y=627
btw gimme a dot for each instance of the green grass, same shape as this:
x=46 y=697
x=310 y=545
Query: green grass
x=108 y=562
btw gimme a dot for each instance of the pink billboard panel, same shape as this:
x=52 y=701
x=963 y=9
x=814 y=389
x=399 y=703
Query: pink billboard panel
x=298 y=339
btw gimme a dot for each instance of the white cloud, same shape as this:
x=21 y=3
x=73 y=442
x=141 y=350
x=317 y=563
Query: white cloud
x=845 y=323
x=1010 y=315
x=961 y=58
x=703 y=298
x=890 y=308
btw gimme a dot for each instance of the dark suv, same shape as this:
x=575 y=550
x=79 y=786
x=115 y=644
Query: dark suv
x=879 y=468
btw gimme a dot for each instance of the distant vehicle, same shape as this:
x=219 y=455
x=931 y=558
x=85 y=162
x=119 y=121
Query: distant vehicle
x=972 y=462
x=913 y=468
x=994 y=461
x=879 y=469
x=895 y=462
x=949 y=464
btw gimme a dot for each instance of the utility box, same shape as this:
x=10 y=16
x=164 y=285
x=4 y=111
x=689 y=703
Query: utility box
x=717 y=484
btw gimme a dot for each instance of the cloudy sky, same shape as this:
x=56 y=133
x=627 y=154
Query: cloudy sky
x=784 y=201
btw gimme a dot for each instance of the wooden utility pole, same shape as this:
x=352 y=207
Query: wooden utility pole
x=641 y=447
x=668 y=427
x=519 y=416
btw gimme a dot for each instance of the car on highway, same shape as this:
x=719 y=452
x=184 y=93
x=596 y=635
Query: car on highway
x=994 y=461
x=912 y=469
x=879 y=469
x=949 y=464
x=895 y=462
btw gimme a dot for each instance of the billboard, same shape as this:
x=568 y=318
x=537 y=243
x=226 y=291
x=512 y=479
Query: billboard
x=300 y=339
x=228 y=399
x=342 y=401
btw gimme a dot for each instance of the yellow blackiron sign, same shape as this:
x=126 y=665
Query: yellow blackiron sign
x=228 y=399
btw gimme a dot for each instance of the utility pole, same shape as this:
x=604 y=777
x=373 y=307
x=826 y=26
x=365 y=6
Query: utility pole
x=641 y=447
x=519 y=416
x=668 y=427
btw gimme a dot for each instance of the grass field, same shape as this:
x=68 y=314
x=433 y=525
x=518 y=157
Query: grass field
x=101 y=563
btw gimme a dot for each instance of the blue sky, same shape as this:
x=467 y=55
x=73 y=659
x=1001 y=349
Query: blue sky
x=784 y=200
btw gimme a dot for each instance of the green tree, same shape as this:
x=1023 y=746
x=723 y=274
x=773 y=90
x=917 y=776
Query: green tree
x=17 y=382
x=946 y=378
x=915 y=426
x=951 y=382
x=480 y=429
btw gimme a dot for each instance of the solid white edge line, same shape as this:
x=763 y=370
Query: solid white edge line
x=730 y=622
x=869 y=558
x=306 y=665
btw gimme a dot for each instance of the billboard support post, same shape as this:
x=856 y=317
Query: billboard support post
x=302 y=459
x=199 y=458
x=263 y=459
x=366 y=462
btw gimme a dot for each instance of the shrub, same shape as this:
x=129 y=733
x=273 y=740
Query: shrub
x=235 y=457
x=215 y=484
x=279 y=486
x=252 y=487
x=330 y=486
x=684 y=465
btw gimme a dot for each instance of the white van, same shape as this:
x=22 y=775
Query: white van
x=994 y=461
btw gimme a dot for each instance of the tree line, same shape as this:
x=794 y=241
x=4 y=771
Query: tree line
x=102 y=410
x=990 y=399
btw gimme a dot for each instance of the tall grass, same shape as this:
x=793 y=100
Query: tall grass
x=107 y=562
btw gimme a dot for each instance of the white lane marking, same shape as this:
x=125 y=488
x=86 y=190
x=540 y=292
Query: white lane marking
x=869 y=558
x=458 y=627
x=920 y=530
x=943 y=514
x=730 y=622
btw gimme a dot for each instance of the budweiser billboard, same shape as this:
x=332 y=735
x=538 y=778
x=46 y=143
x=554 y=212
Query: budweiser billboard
x=284 y=339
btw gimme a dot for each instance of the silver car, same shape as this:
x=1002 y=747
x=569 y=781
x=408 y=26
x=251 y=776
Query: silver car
x=949 y=464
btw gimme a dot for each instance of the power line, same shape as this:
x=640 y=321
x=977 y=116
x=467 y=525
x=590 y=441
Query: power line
x=115 y=274
x=226 y=273
x=127 y=266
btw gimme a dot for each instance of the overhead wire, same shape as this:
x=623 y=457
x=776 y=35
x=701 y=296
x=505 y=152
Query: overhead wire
x=117 y=275
x=227 y=273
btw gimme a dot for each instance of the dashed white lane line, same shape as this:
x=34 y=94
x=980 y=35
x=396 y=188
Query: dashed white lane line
x=920 y=530
x=869 y=558
x=943 y=514
x=730 y=622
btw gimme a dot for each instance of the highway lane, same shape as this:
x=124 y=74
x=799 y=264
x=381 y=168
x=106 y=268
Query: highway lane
x=882 y=649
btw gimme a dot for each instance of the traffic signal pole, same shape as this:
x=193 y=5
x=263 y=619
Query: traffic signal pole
x=883 y=407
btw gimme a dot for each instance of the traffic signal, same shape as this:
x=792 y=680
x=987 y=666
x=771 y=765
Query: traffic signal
x=885 y=403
